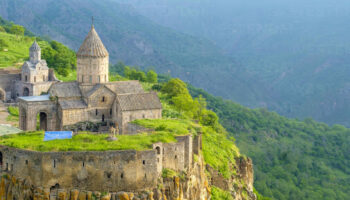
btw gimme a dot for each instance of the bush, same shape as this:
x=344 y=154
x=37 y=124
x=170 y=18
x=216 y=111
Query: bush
x=152 y=76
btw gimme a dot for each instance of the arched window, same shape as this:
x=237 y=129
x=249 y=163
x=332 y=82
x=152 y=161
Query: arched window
x=158 y=150
x=26 y=78
x=103 y=99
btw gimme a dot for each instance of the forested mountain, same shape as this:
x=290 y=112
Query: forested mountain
x=136 y=40
x=299 y=50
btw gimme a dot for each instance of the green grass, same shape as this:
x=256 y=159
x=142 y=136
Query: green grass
x=17 y=50
x=85 y=142
x=13 y=114
x=92 y=142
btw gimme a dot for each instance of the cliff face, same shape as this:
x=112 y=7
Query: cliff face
x=240 y=185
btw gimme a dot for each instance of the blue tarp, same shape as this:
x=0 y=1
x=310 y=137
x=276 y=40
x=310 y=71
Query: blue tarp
x=57 y=135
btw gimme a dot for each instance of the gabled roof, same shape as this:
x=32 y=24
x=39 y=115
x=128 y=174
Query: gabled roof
x=92 y=46
x=97 y=87
x=65 y=89
x=141 y=101
x=35 y=47
x=125 y=87
x=72 y=104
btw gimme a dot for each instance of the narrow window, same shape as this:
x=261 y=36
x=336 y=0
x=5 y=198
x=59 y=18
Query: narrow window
x=103 y=99
x=175 y=156
x=54 y=163
x=110 y=112
x=7 y=166
x=26 y=162
x=103 y=118
x=158 y=150
x=11 y=167
x=26 y=78
x=96 y=112
x=122 y=175
x=143 y=115
x=83 y=164
x=143 y=162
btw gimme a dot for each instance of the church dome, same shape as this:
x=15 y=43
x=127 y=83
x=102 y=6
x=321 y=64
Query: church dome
x=92 y=46
x=35 y=47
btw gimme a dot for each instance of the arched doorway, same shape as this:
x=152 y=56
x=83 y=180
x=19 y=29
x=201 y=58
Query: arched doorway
x=2 y=95
x=42 y=121
x=25 y=92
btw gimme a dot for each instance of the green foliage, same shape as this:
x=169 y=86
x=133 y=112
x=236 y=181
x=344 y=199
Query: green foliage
x=293 y=159
x=17 y=30
x=2 y=29
x=3 y=44
x=13 y=114
x=133 y=74
x=60 y=57
x=174 y=88
x=219 y=194
x=168 y=173
x=152 y=76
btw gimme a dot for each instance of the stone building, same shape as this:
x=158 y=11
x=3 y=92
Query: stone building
x=91 y=102
x=33 y=79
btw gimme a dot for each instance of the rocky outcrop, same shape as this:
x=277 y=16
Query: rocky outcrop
x=239 y=185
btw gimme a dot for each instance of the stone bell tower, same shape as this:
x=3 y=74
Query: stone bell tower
x=35 y=53
x=92 y=60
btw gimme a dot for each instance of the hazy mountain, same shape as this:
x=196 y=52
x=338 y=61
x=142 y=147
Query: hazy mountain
x=298 y=49
x=136 y=40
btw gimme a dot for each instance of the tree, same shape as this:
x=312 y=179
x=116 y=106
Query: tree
x=175 y=87
x=17 y=30
x=152 y=76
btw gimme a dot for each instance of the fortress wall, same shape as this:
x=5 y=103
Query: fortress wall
x=188 y=147
x=94 y=171
x=174 y=156
x=197 y=144
x=128 y=116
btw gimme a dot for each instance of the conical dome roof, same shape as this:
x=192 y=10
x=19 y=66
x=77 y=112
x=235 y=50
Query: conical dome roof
x=35 y=47
x=92 y=46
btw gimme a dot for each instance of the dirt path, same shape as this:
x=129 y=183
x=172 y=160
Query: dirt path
x=4 y=114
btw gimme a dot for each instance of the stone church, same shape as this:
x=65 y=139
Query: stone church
x=33 y=79
x=92 y=99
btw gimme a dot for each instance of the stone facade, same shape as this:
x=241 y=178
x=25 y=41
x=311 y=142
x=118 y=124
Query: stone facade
x=89 y=99
x=34 y=79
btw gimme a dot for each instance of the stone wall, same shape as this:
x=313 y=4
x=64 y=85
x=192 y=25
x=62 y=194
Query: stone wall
x=94 y=171
x=124 y=117
x=92 y=70
x=7 y=82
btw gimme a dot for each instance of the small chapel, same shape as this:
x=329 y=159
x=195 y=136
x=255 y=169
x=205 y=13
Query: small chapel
x=91 y=101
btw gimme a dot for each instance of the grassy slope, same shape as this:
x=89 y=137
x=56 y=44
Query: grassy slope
x=18 y=49
x=293 y=159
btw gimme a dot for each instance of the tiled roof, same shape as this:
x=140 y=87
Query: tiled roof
x=92 y=46
x=141 y=101
x=35 y=47
x=72 y=104
x=125 y=87
x=65 y=89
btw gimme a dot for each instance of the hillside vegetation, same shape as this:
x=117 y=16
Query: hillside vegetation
x=293 y=159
